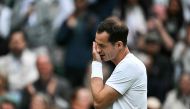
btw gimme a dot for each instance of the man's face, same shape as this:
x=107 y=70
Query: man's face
x=152 y=48
x=80 y=4
x=83 y=99
x=37 y=103
x=106 y=49
x=17 y=43
x=45 y=67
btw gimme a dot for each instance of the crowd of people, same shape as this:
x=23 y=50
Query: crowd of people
x=46 y=50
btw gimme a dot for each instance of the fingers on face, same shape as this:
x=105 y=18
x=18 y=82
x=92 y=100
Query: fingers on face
x=94 y=48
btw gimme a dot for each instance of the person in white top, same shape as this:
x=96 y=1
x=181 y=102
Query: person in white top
x=126 y=88
x=19 y=66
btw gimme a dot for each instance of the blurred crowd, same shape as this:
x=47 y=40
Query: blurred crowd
x=45 y=50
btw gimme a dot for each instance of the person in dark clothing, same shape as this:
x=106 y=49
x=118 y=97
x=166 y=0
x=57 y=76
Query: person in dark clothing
x=160 y=71
x=76 y=35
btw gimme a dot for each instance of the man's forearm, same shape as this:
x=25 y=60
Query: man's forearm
x=168 y=41
x=103 y=95
x=96 y=87
x=97 y=82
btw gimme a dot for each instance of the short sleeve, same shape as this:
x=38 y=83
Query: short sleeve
x=121 y=80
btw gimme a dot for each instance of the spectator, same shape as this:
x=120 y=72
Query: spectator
x=76 y=35
x=41 y=101
x=160 y=70
x=41 y=19
x=181 y=54
x=19 y=64
x=175 y=20
x=81 y=99
x=179 y=98
x=156 y=22
x=48 y=83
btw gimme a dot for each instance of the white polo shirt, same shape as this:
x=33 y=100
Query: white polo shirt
x=130 y=80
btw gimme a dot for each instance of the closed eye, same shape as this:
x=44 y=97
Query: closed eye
x=101 y=45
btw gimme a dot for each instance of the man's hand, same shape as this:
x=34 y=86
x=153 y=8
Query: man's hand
x=72 y=22
x=51 y=88
x=95 y=54
x=31 y=90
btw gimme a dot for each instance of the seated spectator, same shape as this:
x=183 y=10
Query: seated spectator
x=159 y=69
x=179 y=98
x=41 y=101
x=19 y=64
x=81 y=99
x=48 y=83
x=181 y=54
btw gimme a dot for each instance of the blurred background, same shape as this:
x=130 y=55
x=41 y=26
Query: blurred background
x=45 y=50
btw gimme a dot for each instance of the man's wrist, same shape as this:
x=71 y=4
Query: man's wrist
x=97 y=69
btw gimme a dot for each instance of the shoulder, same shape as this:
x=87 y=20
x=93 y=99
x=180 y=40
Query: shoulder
x=6 y=58
x=29 y=56
x=179 y=46
x=131 y=64
x=29 y=53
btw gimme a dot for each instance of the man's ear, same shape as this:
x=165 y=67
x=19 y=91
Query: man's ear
x=119 y=44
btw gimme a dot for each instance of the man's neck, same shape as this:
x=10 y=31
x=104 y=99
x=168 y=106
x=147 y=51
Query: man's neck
x=121 y=56
x=18 y=55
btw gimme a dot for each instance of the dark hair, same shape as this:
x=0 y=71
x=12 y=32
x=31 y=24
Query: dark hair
x=15 y=30
x=115 y=28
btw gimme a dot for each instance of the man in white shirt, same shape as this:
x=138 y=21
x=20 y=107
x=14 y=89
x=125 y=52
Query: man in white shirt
x=126 y=88
x=19 y=65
